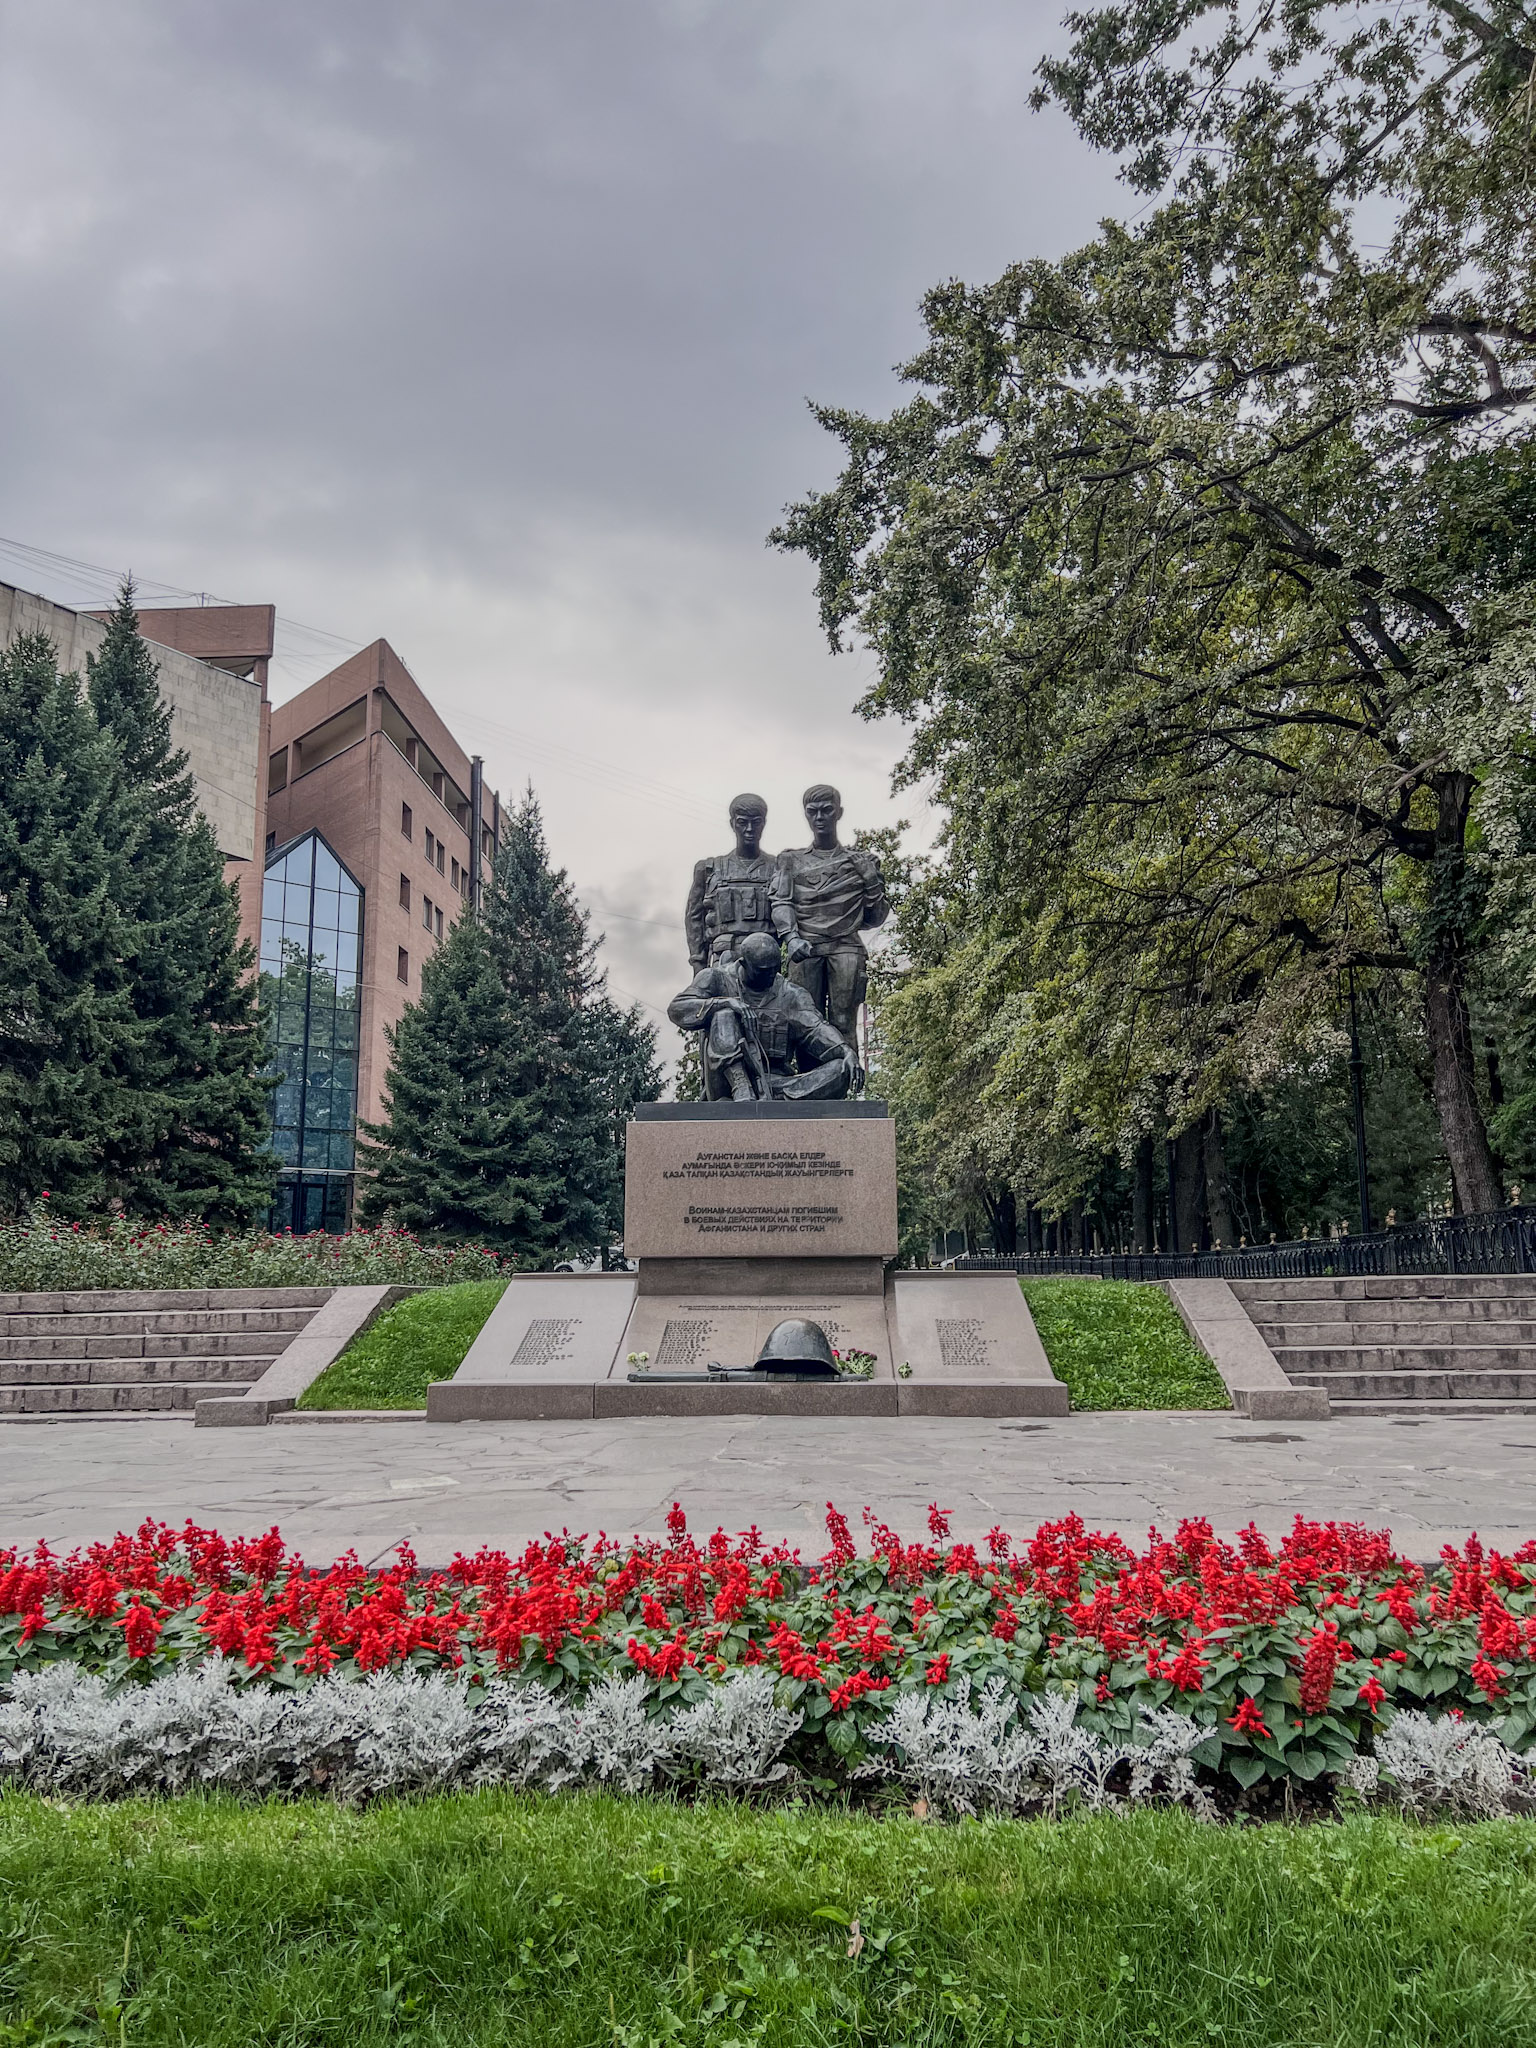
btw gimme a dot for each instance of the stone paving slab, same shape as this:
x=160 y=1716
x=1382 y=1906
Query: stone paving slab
x=370 y=1485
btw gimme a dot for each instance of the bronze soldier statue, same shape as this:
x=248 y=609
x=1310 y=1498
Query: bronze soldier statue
x=764 y=1038
x=824 y=895
x=729 y=896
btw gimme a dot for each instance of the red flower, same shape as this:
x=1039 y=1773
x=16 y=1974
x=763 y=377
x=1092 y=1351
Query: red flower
x=1485 y=1676
x=1248 y=1720
x=938 y=1668
x=141 y=1630
x=1187 y=1669
x=677 y=1522
x=1372 y=1693
x=1317 y=1668
x=1006 y=1626
x=938 y=1521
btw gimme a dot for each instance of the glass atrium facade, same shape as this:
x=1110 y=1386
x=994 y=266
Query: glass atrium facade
x=311 y=971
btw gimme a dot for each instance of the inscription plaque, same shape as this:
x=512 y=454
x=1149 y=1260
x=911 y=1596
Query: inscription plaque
x=546 y=1339
x=828 y=1193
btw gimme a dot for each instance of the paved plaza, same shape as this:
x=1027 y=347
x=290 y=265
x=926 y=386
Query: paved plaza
x=443 y=1487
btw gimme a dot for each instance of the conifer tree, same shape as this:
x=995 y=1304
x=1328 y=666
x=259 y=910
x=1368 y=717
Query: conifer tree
x=201 y=1138
x=499 y=1098
x=69 y=1034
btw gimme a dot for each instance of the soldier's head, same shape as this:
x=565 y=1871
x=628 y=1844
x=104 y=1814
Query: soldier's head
x=759 y=957
x=823 y=809
x=748 y=815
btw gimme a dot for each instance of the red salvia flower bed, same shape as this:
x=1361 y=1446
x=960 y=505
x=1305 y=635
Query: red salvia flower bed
x=1291 y=1655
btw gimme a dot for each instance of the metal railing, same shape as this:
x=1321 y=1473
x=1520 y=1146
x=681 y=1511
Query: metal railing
x=1501 y=1241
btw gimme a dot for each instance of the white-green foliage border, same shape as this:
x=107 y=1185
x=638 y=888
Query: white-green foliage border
x=65 y=1732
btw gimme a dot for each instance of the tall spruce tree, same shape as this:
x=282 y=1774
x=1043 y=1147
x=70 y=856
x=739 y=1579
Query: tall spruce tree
x=70 y=1037
x=201 y=1141
x=498 y=1121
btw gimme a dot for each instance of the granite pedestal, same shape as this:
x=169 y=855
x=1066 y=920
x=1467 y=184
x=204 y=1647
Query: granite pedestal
x=740 y=1215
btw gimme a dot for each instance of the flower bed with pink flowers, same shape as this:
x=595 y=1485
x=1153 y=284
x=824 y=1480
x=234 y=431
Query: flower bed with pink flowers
x=1278 y=1665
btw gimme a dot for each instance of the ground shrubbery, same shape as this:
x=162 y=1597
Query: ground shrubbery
x=1120 y=1344
x=39 y=1254
x=1071 y=1669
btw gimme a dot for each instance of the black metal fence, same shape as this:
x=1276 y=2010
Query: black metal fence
x=1502 y=1241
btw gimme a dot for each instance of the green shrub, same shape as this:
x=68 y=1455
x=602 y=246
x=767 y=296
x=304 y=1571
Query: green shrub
x=1120 y=1344
x=414 y=1343
x=40 y=1254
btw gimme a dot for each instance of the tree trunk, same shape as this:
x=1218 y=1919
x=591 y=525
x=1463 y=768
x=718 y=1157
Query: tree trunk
x=1188 y=1176
x=1005 y=1223
x=1141 y=1199
x=1077 y=1240
x=1474 y=1173
x=1218 y=1188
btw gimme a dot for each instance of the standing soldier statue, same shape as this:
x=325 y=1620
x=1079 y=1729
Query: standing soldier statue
x=729 y=898
x=824 y=895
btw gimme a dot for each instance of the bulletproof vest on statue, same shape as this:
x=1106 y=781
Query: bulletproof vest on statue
x=737 y=904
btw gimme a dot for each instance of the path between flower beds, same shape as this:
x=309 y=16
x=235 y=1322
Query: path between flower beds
x=368 y=1486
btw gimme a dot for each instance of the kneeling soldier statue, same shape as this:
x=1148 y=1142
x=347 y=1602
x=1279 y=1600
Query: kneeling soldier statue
x=764 y=1038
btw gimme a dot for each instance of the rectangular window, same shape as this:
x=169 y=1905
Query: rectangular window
x=405 y=820
x=431 y=846
x=442 y=858
x=405 y=892
x=456 y=872
x=402 y=965
x=438 y=916
x=426 y=912
x=277 y=771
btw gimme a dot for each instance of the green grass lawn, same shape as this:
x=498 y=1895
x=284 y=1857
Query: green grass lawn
x=497 y=1918
x=1120 y=1344
x=421 y=1339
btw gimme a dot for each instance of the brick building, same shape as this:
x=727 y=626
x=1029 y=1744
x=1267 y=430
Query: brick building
x=379 y=833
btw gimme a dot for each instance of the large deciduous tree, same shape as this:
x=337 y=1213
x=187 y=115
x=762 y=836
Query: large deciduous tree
x=1204 y=564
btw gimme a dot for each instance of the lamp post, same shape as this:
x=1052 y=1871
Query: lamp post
x=1357 y=1092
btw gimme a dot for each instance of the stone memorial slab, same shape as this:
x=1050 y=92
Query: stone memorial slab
x=972 y=1346
x=546 y=1342
x=690 y=1333
x=717 y=1188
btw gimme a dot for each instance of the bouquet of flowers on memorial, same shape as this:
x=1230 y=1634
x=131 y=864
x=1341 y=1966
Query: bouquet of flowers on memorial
x=1069 y=1667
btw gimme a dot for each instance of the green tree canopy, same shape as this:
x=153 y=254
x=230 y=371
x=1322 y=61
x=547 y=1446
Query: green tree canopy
x=1202 y=566
x=201 y=1141
x=509 y=1079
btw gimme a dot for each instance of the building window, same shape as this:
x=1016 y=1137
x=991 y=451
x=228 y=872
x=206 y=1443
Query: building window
x=426 y=912
x=405 y=892
x=458 y=872
x=405 y=820
x=277 y=771
x=437 y=915
x=402 y=965
x=311 y=972
x=442 y=858
x=271 y=841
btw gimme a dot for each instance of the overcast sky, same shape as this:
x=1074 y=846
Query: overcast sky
x=487 y=326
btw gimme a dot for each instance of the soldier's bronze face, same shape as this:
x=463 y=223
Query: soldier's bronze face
x=748 y=827
x=759 y=958
x=822 y=812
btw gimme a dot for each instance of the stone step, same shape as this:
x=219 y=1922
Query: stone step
x=154 y=1322
x=115 y=1397
x=156 y=1344
x=99 y=1300
x=1395 y=1331
x=1468 y=1308
x=1413 y=1387
x=1394 y=1287
x=1427 y=1408
x=80 y=1372
x=1307 y=1360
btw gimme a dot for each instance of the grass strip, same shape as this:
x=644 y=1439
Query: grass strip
x=586 y=1920
x=1120 y=1344
x=421 y=1339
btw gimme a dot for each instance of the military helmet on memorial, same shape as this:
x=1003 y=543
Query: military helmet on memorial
x=800 y=1347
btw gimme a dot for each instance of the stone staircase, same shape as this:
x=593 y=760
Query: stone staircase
x=1435 y=1344
x=125 y=1353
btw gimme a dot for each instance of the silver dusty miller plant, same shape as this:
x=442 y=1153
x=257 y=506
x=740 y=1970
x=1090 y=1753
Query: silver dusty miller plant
x=64 y=1730
x=983 y=1759
x=1444 y=1765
